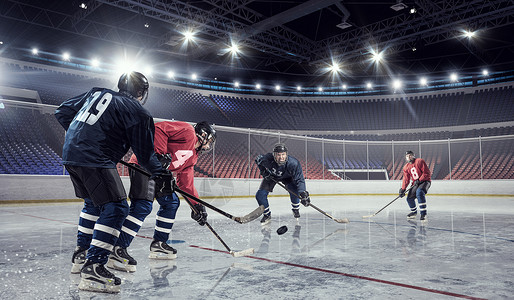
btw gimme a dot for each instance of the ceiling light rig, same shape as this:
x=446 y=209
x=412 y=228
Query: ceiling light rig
x=335 y=88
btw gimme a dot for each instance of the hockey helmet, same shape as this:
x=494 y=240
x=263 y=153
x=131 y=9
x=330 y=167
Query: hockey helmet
x=280 y=148
x=135 y=84
x=206 y=135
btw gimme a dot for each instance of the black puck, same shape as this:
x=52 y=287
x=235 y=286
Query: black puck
x=282 y=230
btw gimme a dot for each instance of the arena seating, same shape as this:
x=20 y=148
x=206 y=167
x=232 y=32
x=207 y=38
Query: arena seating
x=32 y=140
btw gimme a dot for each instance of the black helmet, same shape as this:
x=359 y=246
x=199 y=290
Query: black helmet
x=209 y=137
x=409 y=152
x=279 y=148
x=134 y=84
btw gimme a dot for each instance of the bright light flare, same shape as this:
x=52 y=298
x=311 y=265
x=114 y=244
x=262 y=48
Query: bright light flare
x=423 y=81
x=454 y=77
x=66 y=56
x=95 y=62
x=397 y=84
x=469 y=34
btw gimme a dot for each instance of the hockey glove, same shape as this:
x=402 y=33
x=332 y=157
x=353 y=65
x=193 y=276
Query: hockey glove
x=266 y=174
x=201 y=215
x=259 y=159
x=416 y=182
x=305 y=199
x=401 y=193
x=164 y=184
x=164 y=159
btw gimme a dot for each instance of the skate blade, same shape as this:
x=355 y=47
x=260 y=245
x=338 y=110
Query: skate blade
x=162 y=256
x=93 y=286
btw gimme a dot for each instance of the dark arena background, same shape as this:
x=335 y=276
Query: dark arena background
x=348 y=86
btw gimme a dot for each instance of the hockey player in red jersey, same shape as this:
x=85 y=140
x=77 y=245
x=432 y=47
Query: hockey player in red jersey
x=416 y=170
x=177 y=145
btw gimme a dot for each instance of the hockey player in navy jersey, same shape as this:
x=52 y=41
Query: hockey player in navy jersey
x=101 y=125
x=417 y=171
x=177 y=145
x=279 y=166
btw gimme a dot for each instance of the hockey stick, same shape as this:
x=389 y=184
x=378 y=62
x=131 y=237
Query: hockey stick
x=244 y=219
x=407 y=191
x=344 y=220
x=231 y=252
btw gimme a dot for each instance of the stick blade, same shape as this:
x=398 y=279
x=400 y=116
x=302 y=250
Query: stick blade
x=343 y=220
x=246 y=252
x=365 y=217
x=251 y=216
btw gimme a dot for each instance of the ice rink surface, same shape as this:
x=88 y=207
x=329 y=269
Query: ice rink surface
x=465 y=250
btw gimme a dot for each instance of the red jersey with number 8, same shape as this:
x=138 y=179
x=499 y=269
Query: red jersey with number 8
x=416 y=170
x=179 y=140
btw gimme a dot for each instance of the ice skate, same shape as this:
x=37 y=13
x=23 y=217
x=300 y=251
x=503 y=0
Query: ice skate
x=78 y=259
x=120 y=260
x=296 y=213
x=266 y=219
x=161 y=250
x=412 y=215
x=95 y=277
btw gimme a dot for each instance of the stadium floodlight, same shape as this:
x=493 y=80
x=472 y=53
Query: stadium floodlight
x=413 y=10
x=66 y=56
x=344 y=87
x=397 y=84
x=369 y=85
x=423 y=81
x=234 y=49
x=454 y=77
x=189 y=35
x=335 y=67
x=469 y=34
x=95 y=62
x=377 y=56
x=277 y=87
x=485 y=72
x=320 y=89
x=83 y=5
x=194 y=76
x=236 y=84
x=35 y=51
x=258 y=86
x=171 y=74
x=299 y=88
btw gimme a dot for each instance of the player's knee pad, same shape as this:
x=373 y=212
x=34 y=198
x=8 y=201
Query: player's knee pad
x=119 y=208
x=139 y=208
x=262 y=197
x=169 y=201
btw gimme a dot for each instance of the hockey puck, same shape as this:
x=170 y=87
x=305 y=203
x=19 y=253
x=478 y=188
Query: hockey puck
x=282 y=230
